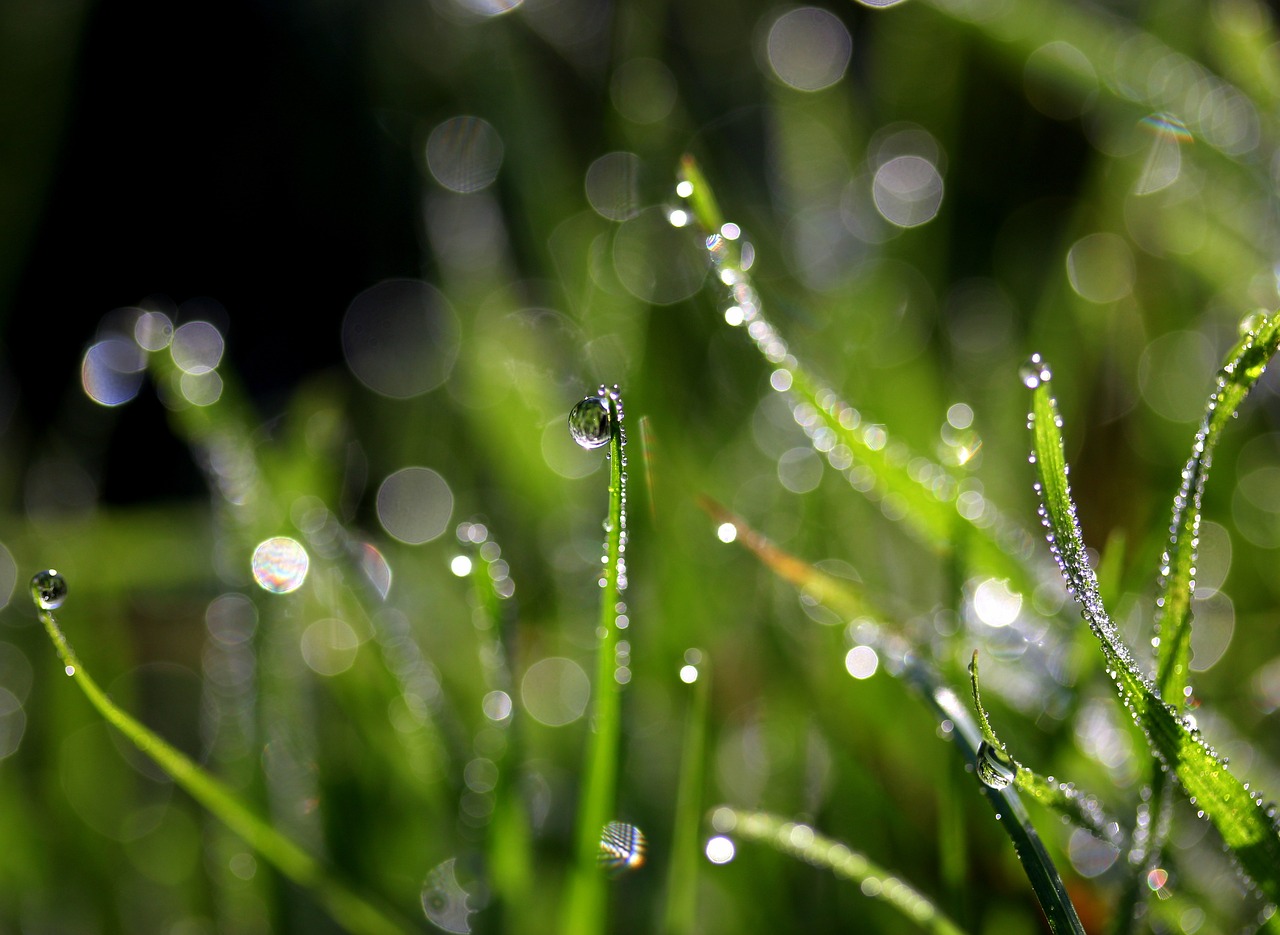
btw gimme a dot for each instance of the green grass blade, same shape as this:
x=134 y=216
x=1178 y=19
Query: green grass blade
x=585 y=909
x=1251 y=834
x=957 y=722
x=997 y=764
x=924 y=493
x=686 y=856
x=1244 y=365
x=799 y=840
x=348 y=908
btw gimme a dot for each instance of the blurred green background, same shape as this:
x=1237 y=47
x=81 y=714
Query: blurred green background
x=421 y=232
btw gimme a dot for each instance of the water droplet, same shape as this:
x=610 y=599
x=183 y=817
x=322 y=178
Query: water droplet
x=280 y=565
x=48 y=589
x=590 y=423
x=996 y=768
x=1253 y=321
x=1034 y=372
x=622 y=846
x=444 y=901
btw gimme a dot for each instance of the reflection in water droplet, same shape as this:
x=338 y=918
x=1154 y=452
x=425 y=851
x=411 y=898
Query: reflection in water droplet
x=48 y=589
x=280 y=565
x=1100 y=268
x=1034 y=372
x=197 y=347
x=907 y=191
x=590 y=423
x=720 y=850
x=861 y=662
x=414 y=505
x=995 y=767
x=622 y=847
x=555 y=691
x=611 y=185
x=111 y=372
x=375 y=568
x=1253 y=321
x=153 y=331
x=444 y=901
x=329 y=646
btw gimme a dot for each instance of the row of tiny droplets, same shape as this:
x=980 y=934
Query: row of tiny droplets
x=1082 y=583
x=745 y=309
x=621 y=619
x=1194 y=474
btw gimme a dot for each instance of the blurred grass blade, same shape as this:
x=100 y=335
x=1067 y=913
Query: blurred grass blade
x=799 y=840
x=347 y=907
x=1244 y=365
x=996 y=763
x=686 y=855
x=1248 y=830
x=875 y=465
x=585 y=908
x=958 y=724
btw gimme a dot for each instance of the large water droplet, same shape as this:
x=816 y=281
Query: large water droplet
x=995 y=767
x=590 y=423
x=1253 y=321
x=1034 y=372
x=622 y=846
x=48 y=589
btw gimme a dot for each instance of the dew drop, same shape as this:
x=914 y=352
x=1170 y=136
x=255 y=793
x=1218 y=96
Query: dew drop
x=622 y=847
x=48 y=589
x=995 y=767
x=590 y=424
x=444 y=901
x=1253 y=321
x=1034 y=372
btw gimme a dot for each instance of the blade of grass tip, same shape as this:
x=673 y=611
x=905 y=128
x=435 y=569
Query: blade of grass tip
x=884 y=470
x=682 y=876
x=594 y=423
x=800 y=840
x=957 y=723
x=1243 y=367
x=351 y=910
x=1249 y=830
x=997 y=767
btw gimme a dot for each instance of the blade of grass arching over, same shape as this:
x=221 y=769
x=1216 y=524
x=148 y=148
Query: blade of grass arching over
x=923 y=492
x=997 y=766
x=1245 y=363
x=347 y=907
x=800 y=840
x=1247 y=829
x=681 y=917
x=953 y=717
x=594 y=423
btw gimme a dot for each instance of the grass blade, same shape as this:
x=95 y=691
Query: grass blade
x=686 y=858
x=1245 y=363
x=347 y=907
x=585 y=909
x=956 y=720
x=799 y=840
x=1248 y=830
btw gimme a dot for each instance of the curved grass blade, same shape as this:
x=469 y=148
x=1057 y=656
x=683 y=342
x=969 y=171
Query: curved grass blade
x=996 y=764
x=1247 y=829
x=956 y=720
x=875 y=465
x=800 y=840
x=600 y=424
x=351 y=910
x=1245 y=363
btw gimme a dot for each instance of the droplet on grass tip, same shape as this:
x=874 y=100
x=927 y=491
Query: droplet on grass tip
x=622 y=847
x=590 y=423
x=995 y=767
x=1034 y=372
x=48 y=589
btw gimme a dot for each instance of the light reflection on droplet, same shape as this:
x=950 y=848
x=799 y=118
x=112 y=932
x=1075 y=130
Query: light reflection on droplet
x=1100 y=268
x=231 y=618
x=1164 y=156
x=13 y=723
x=464 y=154
x=643 y=90
x=688 y=674
x=201 y=389
x=622 y=847
x=726 y=532
x=414 y=505
x=460 y=565
x=280 y=565
x=1172 y=372
x=612 y=186
x=153 y=331
x=907 y=191
x=329 y=646
x=111 y=371
x=657 y=258
x=1211 y=636
x=1090 y=856
x=800 y=469
x=555 y=691
x=808 y=48
x=496 y=705
x=376 y=569
x=197 y=347
x=720 y=849
x=995 y=603
x=400 y=338
x=444 y=901
x=861 y=662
